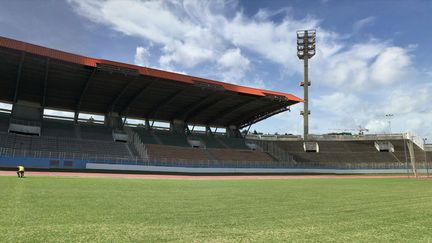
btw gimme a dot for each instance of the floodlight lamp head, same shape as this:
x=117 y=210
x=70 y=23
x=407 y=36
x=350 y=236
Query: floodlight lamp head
x=306 y=40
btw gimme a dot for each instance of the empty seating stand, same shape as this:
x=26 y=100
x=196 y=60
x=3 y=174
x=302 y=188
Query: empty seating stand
x=240 y=155
x=157 y=151
x=208 y=141
x=169 y=138
x=234 y=143
x=58 y=128
x=95 y=132
x=344 y=154
x=200 y=156
x=68 y=145
x=146 y=136
x=4 y=122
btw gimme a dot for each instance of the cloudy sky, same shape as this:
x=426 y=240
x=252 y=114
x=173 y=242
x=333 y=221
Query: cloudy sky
x=373 y=57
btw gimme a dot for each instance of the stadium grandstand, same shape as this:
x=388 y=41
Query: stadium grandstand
x=67 y=111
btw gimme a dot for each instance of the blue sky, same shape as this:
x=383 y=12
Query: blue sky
x=373 y=57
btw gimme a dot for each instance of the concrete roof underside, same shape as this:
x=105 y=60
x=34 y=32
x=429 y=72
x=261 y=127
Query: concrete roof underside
x=65 y=81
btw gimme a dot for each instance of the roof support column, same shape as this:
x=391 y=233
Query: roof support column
x=232 y=131
x=76 y=117
x=147 y=124
x=45 y=86
x=120 y=94
x=113 y=120
x=208 y=131
x=247 y=131
x=84 y=89
x=18 y=79
x=178 y=126
x=123 y=122
x=188 y=131
x=125 y=109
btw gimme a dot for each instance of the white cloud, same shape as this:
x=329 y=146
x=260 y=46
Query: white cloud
x=362 y=23
x=410 y=110
x=190 y=33
x=377 y=126
x=391 y=65
x=274 y=41
x=142 y=55
x=337 y=102
x=233 y=65
x=165 y=23
x=364 y=66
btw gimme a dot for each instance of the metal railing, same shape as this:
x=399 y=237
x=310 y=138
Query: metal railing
x=9 y=152
x=327 y=137
x=136 y=141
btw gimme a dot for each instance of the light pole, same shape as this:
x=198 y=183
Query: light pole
x=306 y=40
x=389 y=117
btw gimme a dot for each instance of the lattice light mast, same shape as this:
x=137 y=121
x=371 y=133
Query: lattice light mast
x=305 y=50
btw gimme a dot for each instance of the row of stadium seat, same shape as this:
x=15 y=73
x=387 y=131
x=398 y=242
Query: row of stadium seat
x=156 y=151
x=58 y=128
x=342 y=157
x=344 y=154
x=173 y=139
x=4 y=122
x=95 y=139
x=65 y=145
x=331 y=146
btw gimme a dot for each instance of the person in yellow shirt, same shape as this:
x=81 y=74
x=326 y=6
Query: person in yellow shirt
x=20 y=171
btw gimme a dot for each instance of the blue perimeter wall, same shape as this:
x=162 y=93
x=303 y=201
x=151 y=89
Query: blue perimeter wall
x=41 y=163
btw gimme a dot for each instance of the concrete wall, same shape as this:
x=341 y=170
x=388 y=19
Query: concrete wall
x=120 y=167
x=40 y=163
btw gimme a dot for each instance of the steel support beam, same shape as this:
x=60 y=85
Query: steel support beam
x=45 y=87
x=229 y=111
x=84 y=89
x=165 y=101
x=134 y=99
x=120 y=94
x=18 y=79
x=195 y=106
x=260 y=117
x=249 y=115
x=203 y=108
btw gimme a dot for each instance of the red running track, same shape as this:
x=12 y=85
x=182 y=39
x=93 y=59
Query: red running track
x=190 y=177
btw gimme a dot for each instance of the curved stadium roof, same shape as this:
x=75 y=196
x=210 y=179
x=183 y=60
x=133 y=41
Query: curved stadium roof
x=61 y=80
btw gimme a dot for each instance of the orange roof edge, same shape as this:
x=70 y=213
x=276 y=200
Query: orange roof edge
x=88 y=61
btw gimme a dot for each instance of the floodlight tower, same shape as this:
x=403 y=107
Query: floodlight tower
x=389 y=118
x=305 y=50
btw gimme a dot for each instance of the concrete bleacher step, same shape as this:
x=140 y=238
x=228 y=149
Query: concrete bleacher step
x=210 y=155
x=77 y=131
x=221 y=142
x=133 y=150
x=129 y=150
x=156 y=138
x=397 y=159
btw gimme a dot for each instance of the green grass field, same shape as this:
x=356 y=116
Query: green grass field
x=47 y=209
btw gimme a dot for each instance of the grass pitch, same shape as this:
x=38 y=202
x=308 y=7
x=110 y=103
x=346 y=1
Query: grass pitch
x=47 y=209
